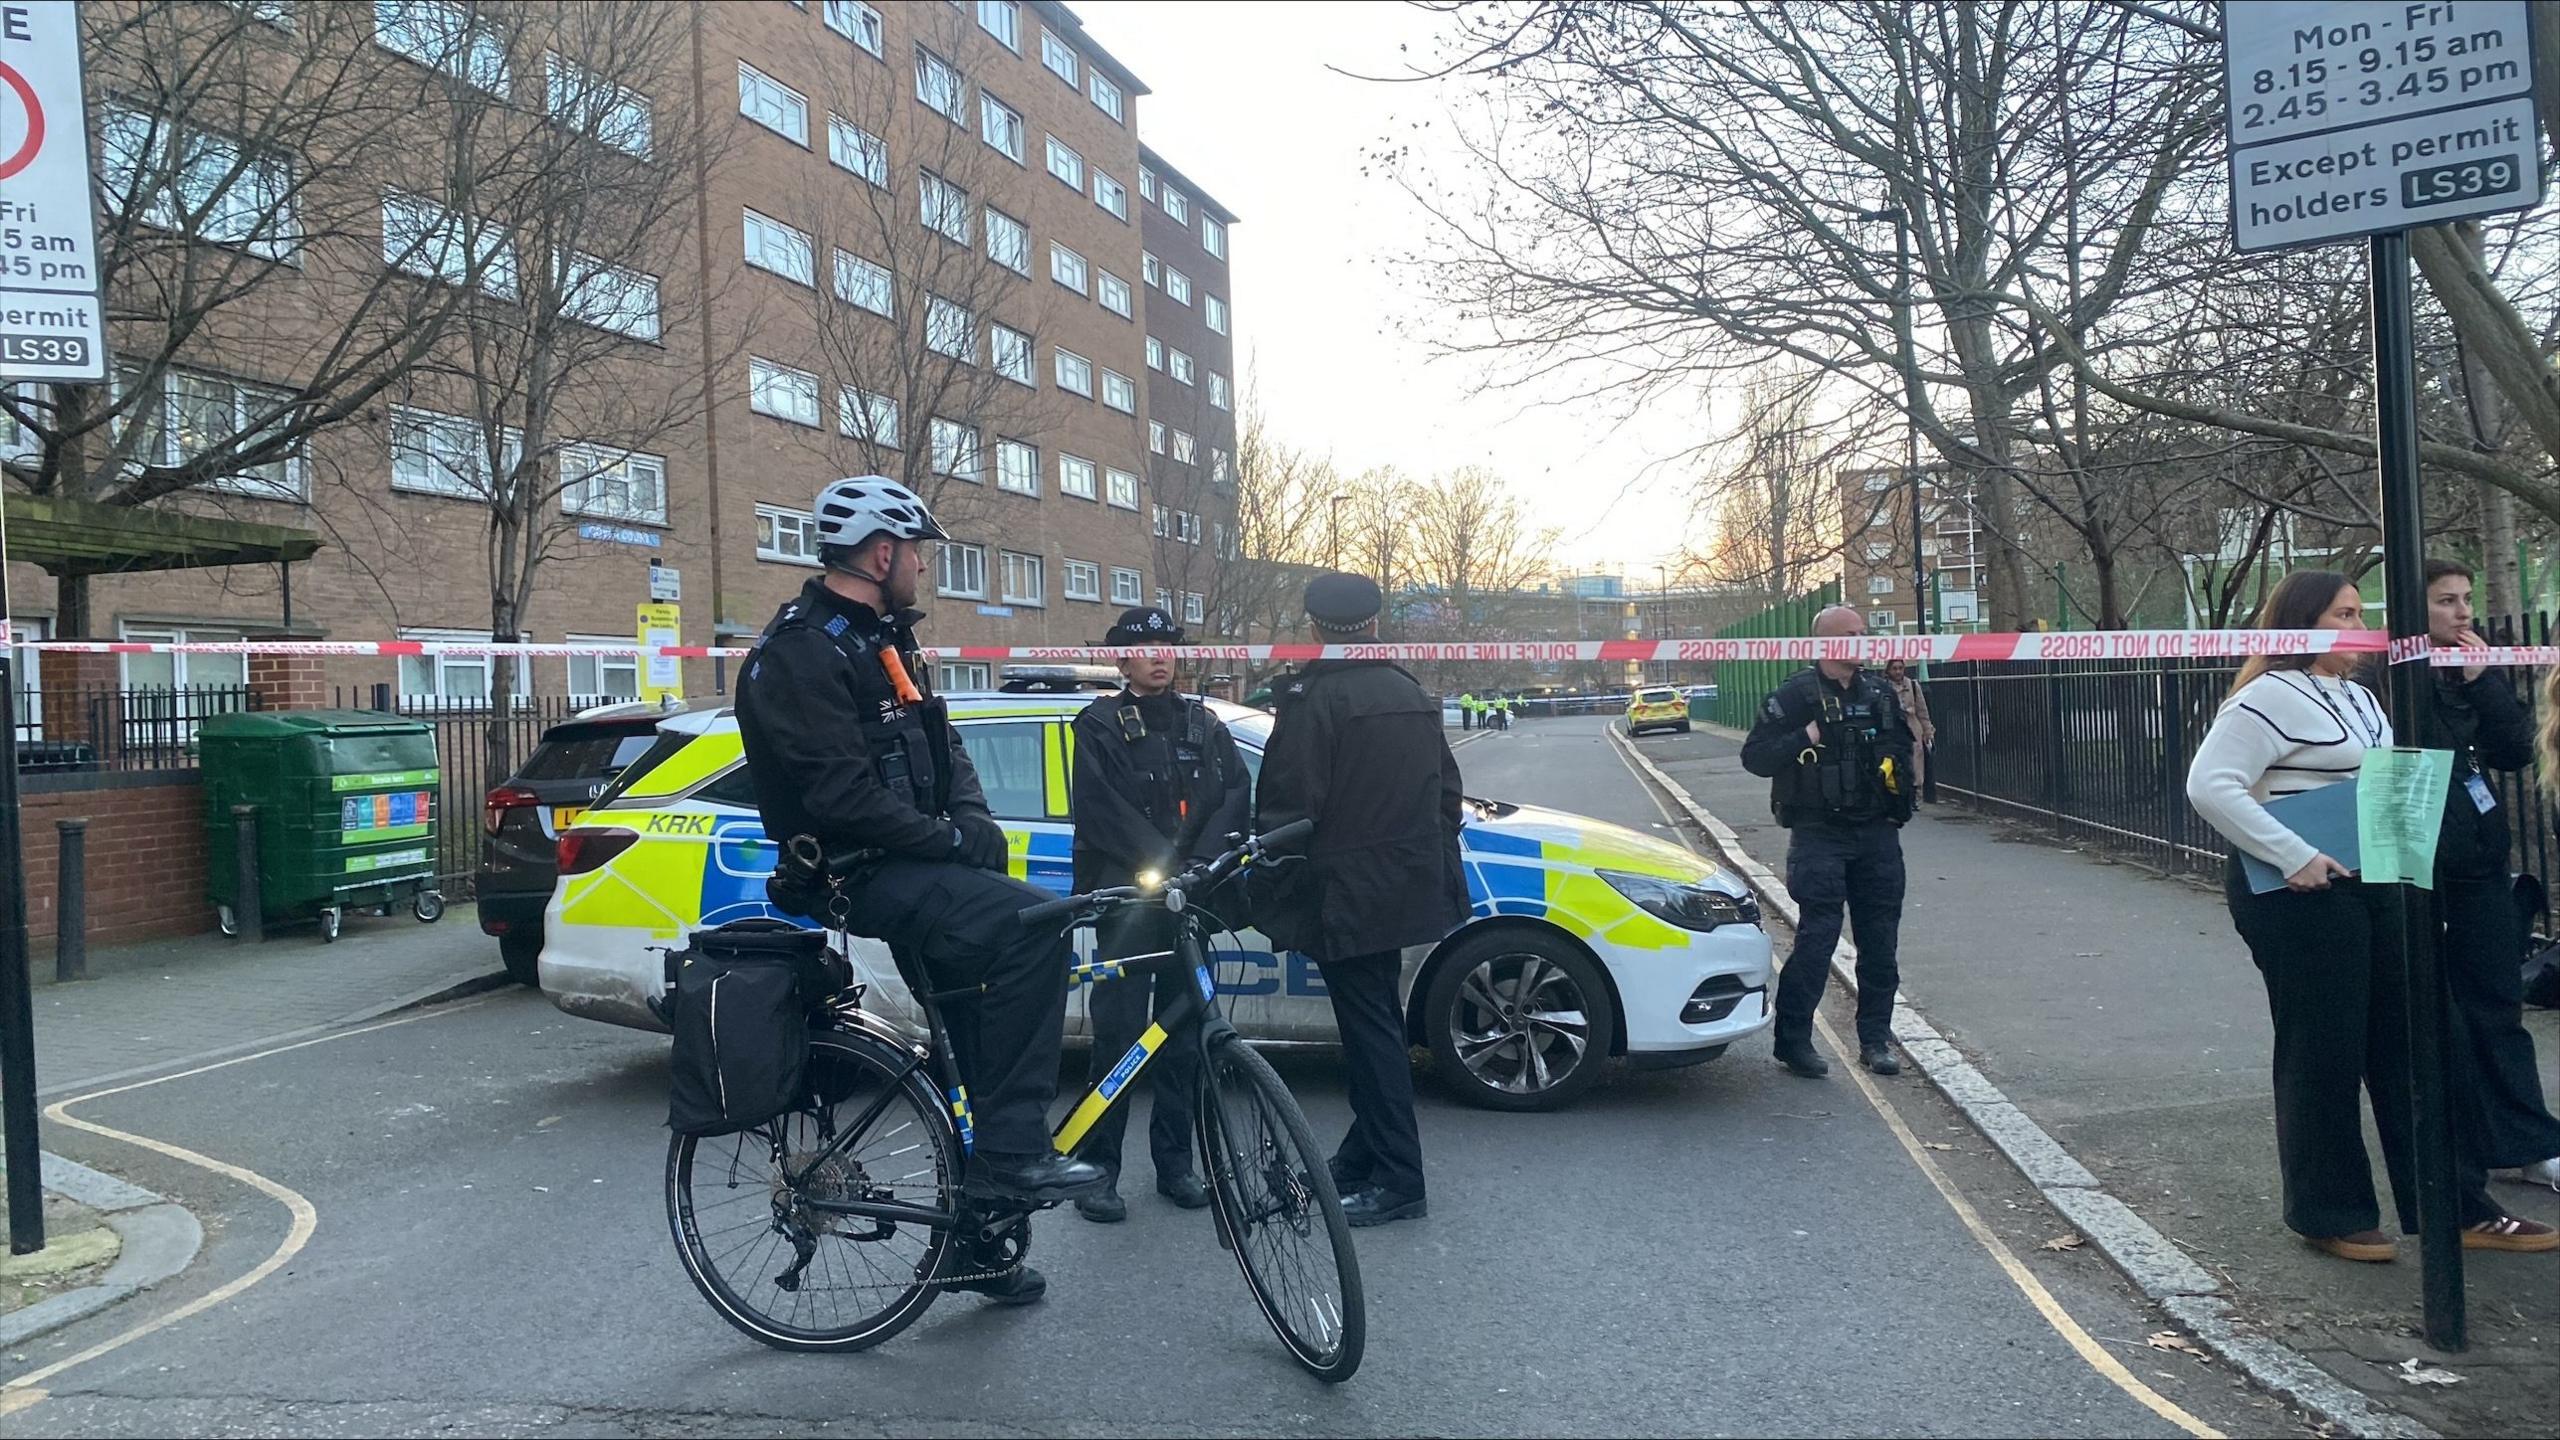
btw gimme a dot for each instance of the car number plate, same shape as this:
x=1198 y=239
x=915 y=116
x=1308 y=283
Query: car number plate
x=564 y=816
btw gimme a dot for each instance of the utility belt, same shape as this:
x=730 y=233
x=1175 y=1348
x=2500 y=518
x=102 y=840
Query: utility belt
x=809 y=881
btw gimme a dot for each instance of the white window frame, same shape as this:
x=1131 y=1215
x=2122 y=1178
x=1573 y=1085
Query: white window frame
x=1082 y=581
x=779 y=249
x=856 y=22
x=939 y=203
x=971 y=562
x=601 y=670
x=1069 y=268
x=1078 y=477
x=1107 y=96
x=1175 y=203
x=1186 y=448
x=1179 y=366
x=1073 y=372
x=961 y=676
x=608 y=297
x=435 y=668
x=460 y=43
x=868 y=416
x=1114 y=295
x=1213 y=310
x=1003 y=20
x=957 y=451
x=426 y=239
x=1146 y=183
x=935 y=74
x=285 y=479
x=850 y=147
x=1008 y=240
x=950 y=329
x=1026 y=579
x=1162 y=519
x=775 y=106
x=859 y=282
x=999 y=123
x=1014 y=354
x=1150 y=269
x=1155 y=437
x=775 y=389
x=1120 y=489
x=1177 y=286
x=586 y=102
x=1883 y=621
x=1213 y=236
x=1195 y=608
x=1155 y=353
x=1066 y=164
x=1111 y=195
x=1879 y=584
x=610 y=484
x=1058 y=56
x=195 y=183
x=1128 y=587
x=1221 y=393
x=1018 y=467
x=446 y=455
x=1119 y=392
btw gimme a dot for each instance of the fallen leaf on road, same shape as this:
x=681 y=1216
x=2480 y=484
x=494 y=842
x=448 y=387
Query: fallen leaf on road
x=548 y=1120
x=1935 y=1145
x=2172 y=1340
x=2064 y=1242
x=2413 y=1373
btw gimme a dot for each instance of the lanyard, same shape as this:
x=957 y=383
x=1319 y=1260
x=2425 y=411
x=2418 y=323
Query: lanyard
x=2356 y=729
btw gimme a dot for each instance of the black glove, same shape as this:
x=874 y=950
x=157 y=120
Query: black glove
x=980 y=842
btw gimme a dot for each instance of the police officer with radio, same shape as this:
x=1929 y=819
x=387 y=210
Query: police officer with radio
x=854 y=757
x=1158 y=784
x=1836 y=749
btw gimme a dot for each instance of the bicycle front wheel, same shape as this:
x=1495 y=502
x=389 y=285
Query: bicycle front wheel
x=1277 y=1208
x=786 y=1272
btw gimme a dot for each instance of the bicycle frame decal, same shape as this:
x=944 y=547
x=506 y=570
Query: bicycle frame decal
x=1208 y=984
x=1098 y=1099
x=960 y=1115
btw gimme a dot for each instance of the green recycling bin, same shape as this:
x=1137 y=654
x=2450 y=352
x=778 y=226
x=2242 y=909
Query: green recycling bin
x=346 y=813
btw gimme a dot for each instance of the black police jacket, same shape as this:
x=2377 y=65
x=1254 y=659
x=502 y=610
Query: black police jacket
x=1158 y=783
x=1838 y=773
x=2486 y=727
x=833 y=751
x=1358 y=748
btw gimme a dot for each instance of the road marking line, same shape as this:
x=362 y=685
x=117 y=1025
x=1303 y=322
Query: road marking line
x=26 y=1391
x=2080 y=1341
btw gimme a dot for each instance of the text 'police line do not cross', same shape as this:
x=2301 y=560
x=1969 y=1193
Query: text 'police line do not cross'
x=2355 y=119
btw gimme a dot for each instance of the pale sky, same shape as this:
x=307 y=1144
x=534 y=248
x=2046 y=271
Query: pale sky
x=1242 y=103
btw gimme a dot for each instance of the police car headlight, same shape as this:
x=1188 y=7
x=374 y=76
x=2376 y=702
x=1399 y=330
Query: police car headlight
x=1691 y=907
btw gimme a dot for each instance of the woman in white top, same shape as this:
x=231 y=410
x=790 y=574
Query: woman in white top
x=2325 y=943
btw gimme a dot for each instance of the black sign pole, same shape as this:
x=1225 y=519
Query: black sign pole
x=17 y=1000
x=2395 y=393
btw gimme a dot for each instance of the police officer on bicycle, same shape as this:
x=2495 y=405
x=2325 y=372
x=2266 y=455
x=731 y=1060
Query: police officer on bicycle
x=1836 y=749
x=1158 y=784
x=847 y=744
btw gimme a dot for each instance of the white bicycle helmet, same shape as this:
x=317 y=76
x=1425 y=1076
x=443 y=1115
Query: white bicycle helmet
x=858 y=507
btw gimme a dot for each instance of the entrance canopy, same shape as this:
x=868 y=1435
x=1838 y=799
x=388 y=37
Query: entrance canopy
x=67 y=538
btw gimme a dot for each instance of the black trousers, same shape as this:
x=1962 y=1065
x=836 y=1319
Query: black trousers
x=1831 y=868
x=1120 y=1010
x=2497 y=1090
x=1384 y=1146
x=951 y=926
x=2337 y=990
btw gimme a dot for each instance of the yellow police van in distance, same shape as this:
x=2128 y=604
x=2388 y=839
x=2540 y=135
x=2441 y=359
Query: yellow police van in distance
x=1588 y=940
x=1658 y=707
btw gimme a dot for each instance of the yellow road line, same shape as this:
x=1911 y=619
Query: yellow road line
x=2080 y=1341
x=27 y=1391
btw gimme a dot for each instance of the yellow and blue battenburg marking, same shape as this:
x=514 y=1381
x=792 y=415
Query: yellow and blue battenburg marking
x=960 y=1114
x=1089 y=971
x=1080 y=1121
x=1555 y=879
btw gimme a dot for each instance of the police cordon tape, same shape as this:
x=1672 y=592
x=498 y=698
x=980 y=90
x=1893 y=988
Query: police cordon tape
x=2058 y=645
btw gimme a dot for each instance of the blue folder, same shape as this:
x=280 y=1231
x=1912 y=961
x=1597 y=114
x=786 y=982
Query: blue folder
x=2326 y=817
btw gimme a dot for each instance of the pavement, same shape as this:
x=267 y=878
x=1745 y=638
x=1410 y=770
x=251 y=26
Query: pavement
x=2119 y=1011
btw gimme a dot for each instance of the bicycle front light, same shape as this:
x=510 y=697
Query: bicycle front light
x=1691 y=907
x=1150 y=879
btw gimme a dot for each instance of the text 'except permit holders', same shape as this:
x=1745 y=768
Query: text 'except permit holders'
x=2386 y=177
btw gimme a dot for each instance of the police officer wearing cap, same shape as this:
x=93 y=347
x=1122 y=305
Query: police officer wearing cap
x=1836 y=749
x=848 y=746
x=1358 y=748
x=1158 y=784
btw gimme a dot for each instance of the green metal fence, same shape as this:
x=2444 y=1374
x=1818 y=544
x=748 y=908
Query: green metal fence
x=1742 y=684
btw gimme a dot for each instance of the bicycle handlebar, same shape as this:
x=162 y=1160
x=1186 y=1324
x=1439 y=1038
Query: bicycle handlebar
x=1254 y=850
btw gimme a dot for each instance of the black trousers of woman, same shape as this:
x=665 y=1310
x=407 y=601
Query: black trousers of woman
x=2337 y=992
x=2497 y=1090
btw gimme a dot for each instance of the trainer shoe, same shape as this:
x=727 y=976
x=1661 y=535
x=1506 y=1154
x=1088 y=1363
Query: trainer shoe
x=2510 y=1232
x=2370 y=1247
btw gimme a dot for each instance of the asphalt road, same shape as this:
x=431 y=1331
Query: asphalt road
x=1725 y=1250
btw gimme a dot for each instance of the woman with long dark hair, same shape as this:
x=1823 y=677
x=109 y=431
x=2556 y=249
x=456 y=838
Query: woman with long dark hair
x=2325 y=943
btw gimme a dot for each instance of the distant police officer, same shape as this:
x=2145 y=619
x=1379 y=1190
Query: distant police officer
x=1158 y=783
x=1835 y=746
x=847 y=745
x=1358 y=748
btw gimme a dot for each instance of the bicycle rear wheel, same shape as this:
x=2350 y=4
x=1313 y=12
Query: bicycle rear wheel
x=1277 y=1208
x=797 y=1278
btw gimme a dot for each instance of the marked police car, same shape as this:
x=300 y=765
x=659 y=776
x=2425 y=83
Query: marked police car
x=1588 y=939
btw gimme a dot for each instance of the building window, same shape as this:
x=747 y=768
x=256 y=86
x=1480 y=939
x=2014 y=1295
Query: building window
x=1127 y=587
x=1150 y=269
x=1164 y=600
x=1177 y=286
x=864 y=415
x=1000 y=125
x=1008 y=242
x=1213 y=236
x=1186 y=449
x=1068 y=268
x=457 y=680
x=1084 y=580
x=949 y=329
x=939 y=86
x=960 y=676
x=1186 y=527
x=782 y=392
x=443 y=36
x=603 y=678
x=1221 y=466
x=1075 y=373
x=789 y=537
x=945 y=208
x=1881 y=621
x=1026 y=579
x=1111 y=195
x=1155 y=436
x=1114 y=295
x=445 y=455
x=1119 y=392
x=1879 y=482
x=424 y=238
x=613 y=484
x=1219 y=393
x=586 y=102
x=964 y=570
x=1175 y=204
x=1017 y=467
x=1013 y=355
x=774 y=246
x=1076 y=477
x=608 y=296
x=1120 y=489
x=1107 y=97
x=858 y=150
x=856 y=22
x=1181 y=368
x=860 y=282
x=1066 y=164
x=1155 y=353
x=1215 y=310
x=772 y=104
x=189 y=414
x=1879 y=549
x=955 y=452
x=1163 y=522
x=1195 y=608
x=197 y=183
x=1058 y=55
x=1879 y=584
x=1000 y=19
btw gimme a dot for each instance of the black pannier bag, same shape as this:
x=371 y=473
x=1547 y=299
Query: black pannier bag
x=740 y=1008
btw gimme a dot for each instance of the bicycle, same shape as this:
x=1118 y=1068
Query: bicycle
x=876 y=1159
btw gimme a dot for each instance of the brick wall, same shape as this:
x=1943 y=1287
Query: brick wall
x=146 y=852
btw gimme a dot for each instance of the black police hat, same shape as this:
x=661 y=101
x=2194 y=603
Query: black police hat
x=1342 y=604
x=1144 y=625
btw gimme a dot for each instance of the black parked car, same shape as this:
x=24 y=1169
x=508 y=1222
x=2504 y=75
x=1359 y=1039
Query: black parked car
x=519 y=860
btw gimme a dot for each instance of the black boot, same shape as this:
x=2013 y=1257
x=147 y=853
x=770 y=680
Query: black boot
x=1020 y=1285
x=1798 y=1056
x=1879 y=1058
x=1184 y=1189
x=1042 y=1179
x=1103 y=1206
x=1377 y=1205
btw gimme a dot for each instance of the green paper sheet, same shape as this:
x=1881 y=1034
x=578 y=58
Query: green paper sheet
x=2399 y=808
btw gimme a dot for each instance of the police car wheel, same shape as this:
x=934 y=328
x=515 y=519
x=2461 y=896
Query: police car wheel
x=1519 y=1020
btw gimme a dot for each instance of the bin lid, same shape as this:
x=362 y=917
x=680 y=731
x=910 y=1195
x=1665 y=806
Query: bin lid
x=300 y=724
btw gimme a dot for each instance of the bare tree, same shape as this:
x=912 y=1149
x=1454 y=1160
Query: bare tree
x=1474 y=550
x=1769 y=499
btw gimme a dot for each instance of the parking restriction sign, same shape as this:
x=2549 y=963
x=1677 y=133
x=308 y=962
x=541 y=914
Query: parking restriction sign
x=52 y=326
